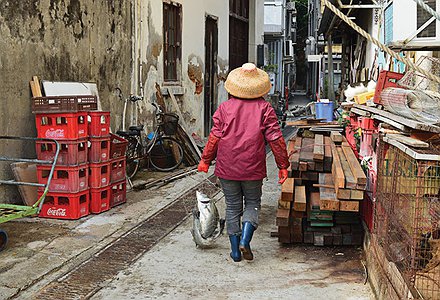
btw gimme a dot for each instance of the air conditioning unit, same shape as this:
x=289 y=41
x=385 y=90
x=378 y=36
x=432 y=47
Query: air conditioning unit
x=288 y=48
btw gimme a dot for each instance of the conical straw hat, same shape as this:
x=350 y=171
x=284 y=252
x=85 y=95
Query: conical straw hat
x=248 y=82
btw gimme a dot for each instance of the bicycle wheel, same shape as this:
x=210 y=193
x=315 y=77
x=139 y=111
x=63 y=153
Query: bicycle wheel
x=3 y=239
x=132 y=159
x=166 y=154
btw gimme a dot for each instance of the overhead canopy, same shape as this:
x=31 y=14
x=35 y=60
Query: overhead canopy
x=345 y=6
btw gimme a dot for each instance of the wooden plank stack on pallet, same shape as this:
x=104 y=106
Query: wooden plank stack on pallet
x=320 y=201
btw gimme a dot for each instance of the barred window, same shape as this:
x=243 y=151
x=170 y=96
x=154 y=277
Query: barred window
x=423 y=16
x=172 y=43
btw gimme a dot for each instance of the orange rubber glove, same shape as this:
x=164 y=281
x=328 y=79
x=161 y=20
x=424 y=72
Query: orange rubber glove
x=209 y=153
x=203 y=167
x=282 y=175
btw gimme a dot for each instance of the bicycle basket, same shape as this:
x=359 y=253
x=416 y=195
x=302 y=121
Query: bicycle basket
x=169 y=123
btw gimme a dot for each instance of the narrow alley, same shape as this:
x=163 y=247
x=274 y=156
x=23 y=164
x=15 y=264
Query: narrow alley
x=144 y=250
x=206 y=149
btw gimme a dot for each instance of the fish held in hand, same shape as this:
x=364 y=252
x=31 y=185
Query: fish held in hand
x=207 y=225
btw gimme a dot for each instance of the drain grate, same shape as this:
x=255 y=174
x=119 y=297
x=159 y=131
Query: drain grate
x=92 y=275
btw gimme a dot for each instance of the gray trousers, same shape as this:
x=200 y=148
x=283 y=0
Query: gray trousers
x=236 y=194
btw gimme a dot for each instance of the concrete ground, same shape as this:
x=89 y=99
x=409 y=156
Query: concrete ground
x=42 y=251
x=176 y=269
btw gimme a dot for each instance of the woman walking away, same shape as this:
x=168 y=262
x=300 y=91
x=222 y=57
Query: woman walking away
x=241 y=127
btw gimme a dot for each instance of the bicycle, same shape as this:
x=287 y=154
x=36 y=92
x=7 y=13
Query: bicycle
x=162 y=151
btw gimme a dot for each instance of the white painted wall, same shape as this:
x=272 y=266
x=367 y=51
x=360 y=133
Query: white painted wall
x=256 y=27
x=149 y=33
x=273 y=12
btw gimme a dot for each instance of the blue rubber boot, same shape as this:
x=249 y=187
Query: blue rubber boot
x=235 y=253
x=246 y=237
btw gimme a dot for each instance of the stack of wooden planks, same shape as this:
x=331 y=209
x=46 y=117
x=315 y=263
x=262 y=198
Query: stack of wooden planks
x=320 y=201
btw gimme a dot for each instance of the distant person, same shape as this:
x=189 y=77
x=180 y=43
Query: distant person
x=241 y=127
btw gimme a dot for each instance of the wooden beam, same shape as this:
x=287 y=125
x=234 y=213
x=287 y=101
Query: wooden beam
x=385 y=120
x=302 y=166
x=300 y=203
x=307 y=149
x=327 y=155
x=318 y=148
x=327 y=196
x=414 y=154
x=337 y=172
x=182 y=121
x=349 y=206
x=357 y=195
x=356 y=169
x=336 y=137
x=159 y=98
x=360 y=112
x=294 y=158
x=287 y=190
x=350 y=182
x=284 y=204
x=36 y=90
x=409 y=141
x=282 y=218
x=399 y=119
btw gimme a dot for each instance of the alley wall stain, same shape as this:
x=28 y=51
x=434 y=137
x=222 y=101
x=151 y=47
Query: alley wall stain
x=59 y=40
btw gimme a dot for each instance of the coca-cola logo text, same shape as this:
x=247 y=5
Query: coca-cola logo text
x=58 y=212
x=55 y=133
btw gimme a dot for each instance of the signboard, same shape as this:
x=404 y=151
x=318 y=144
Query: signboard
x=314 y=58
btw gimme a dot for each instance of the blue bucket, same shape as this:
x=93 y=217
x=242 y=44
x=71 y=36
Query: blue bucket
x=324 y=110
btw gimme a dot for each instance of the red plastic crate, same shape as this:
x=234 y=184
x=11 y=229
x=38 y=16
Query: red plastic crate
x=58 y=104
x=118 y=146
x=117 y=167
x=99 y=175
x=100 y=199
x=367 y=212
x=66 y=126
x=71 y=152
x=386 y=79
x=70 y=206
x=99 y=150
x=366 y=144
x=368 y=123
x=99 y=123
x=65 y=179
x=354 y=121
x=118 y=193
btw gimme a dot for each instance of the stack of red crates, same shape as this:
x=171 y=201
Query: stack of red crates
x=87 y=179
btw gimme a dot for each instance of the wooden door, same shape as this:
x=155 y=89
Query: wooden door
x=211 y=49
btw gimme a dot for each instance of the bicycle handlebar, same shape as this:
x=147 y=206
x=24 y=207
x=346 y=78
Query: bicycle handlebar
x=158 y=108
x=134 y=98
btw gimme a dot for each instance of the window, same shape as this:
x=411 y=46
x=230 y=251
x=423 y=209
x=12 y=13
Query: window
x=172 y=39
x=239 y=8
x=423 y=16
x=238 y=32
x=388 y=24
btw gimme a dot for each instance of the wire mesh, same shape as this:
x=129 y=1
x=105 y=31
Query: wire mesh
x=416 y=81
x=407 y=217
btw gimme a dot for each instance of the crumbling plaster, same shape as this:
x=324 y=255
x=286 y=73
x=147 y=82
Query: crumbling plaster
x=59 y=40
x=192 y=65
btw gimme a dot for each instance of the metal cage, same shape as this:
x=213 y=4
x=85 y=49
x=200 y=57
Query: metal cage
x=407 y=214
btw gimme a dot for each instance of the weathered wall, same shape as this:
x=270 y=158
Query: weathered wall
x=150 y=53
x=59 y=40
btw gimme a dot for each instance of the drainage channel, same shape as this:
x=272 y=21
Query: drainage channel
x=93 y=274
